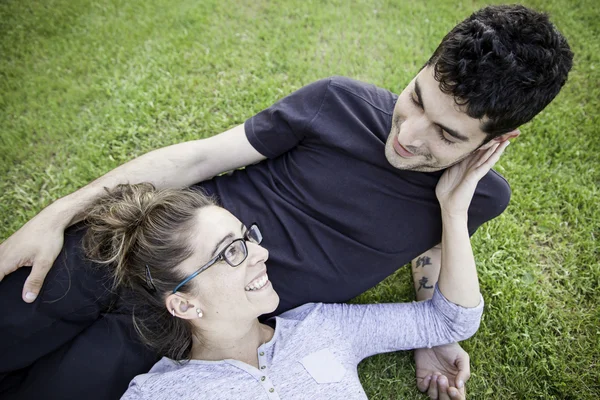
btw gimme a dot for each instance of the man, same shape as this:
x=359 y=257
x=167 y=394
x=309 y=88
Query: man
x=340 y=175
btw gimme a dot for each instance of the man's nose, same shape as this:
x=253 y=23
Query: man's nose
x=413 y=130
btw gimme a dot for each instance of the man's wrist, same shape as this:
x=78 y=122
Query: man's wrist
x=60 y=213
x=68 y=210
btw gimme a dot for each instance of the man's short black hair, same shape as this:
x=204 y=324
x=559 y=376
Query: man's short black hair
x=504 y=63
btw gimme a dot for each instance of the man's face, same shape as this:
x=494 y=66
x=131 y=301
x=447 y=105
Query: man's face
x=429 y=130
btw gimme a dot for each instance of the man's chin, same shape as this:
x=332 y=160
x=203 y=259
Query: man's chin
x=405 y=165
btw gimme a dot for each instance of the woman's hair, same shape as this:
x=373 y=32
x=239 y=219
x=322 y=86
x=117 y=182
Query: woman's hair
x=142 y=235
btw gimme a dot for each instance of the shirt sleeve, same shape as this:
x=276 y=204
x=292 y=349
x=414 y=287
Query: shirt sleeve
x=489 y=201
x=381 y=328
x=282 y=126
x=132 y=393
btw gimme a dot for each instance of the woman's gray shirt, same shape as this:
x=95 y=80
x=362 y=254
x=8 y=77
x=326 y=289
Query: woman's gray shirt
x=314 y=352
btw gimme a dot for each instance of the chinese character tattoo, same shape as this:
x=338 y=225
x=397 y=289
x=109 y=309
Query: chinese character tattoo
x=423 y=261
x=423 y=283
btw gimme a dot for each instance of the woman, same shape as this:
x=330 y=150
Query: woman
x=199 y=280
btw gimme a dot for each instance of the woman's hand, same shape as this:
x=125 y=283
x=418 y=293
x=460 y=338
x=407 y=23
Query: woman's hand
x=456 y=186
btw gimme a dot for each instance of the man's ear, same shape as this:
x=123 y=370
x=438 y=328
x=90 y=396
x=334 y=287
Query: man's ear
x=180 y=306
x=502 y=138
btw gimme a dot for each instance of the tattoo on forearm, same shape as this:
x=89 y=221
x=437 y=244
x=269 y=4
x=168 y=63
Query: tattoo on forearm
x=423 y=284
x=423 y=261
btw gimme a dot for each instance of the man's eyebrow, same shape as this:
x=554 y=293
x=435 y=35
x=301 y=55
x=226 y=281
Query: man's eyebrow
x=451 y=132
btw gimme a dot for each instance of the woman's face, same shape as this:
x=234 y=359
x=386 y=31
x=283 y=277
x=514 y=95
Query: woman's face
x=224 y=292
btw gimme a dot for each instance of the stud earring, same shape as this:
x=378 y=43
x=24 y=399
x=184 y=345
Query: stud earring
x=199 y=312
x=173 y=311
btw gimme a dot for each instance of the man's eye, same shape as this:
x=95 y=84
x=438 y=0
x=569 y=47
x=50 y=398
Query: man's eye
x=415 y=101
x=441 y=133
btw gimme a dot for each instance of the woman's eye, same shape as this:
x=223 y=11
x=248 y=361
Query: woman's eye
x=231 y=252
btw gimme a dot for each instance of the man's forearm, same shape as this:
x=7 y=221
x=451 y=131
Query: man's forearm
x=166 y=167
x=426 y=272
x=175 y=166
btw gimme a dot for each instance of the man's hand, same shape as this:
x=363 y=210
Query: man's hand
x=36 y=244
x=442 y=371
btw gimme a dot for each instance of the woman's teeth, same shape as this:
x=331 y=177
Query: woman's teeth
x=257 y=284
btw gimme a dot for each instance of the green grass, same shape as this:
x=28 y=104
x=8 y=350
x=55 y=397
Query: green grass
x=87 y=85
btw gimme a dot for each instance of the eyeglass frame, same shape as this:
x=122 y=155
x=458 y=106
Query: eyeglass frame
x=221 y=256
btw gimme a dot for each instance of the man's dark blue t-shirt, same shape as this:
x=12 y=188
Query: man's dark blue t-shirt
x=337 y=218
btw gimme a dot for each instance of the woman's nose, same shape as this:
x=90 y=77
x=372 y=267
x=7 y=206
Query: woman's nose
x=256 y=253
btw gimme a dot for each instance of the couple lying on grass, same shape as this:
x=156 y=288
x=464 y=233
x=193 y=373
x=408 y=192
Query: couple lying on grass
x=348 y=181
x=199 y=280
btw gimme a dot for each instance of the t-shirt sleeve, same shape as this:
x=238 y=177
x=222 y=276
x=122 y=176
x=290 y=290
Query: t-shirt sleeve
x=490 y=200
x=282 y=126
x=132 y=393
x=381 y=328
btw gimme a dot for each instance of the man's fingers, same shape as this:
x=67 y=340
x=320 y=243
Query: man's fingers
x=35 y=280
x=7 y=265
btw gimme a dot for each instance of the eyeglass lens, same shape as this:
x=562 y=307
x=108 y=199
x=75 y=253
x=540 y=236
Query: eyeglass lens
x=237 y=251
x=254 y=235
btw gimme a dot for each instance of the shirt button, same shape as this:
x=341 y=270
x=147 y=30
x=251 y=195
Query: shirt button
x=263 y=367
x=262 y=378
x=271 y=390
x=262 y=353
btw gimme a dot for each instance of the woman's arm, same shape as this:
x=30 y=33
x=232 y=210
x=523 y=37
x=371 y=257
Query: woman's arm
x=458 y=276
x=454 y=312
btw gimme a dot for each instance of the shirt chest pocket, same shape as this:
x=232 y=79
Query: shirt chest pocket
x=323 y=366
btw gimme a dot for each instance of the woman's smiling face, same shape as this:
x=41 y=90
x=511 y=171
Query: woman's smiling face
x=222 y=291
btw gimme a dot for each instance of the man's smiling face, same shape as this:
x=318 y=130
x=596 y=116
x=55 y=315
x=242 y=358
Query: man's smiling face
x=430 y=131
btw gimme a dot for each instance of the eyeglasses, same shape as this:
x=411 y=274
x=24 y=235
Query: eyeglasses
x=234 y=254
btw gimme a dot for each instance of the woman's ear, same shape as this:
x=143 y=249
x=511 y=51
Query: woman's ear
x=181 y=307
x=502 y=138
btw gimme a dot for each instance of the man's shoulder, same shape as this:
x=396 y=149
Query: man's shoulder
x=491 y=197
x=364 y=92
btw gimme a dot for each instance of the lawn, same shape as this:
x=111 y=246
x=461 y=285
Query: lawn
x=87 y=85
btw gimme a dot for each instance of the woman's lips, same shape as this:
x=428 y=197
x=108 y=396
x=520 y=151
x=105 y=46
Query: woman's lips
x=401 y=151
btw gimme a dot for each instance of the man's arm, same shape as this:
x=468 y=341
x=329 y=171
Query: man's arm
x=40 y=240
x=176 y=166
x=426 y=272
